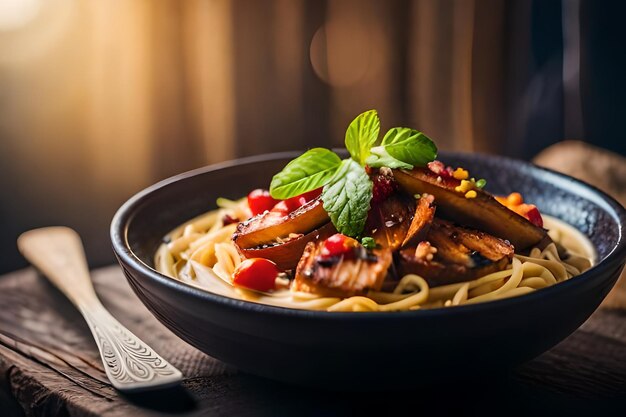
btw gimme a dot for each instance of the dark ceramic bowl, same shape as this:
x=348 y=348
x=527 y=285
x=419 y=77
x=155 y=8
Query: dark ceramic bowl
x=368 y=350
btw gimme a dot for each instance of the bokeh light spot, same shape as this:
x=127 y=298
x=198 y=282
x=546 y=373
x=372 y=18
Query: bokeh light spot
x=341 y=52
x=17 y=13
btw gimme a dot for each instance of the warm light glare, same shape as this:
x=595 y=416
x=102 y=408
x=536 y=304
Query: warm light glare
x=334 y=58
x=16 y=13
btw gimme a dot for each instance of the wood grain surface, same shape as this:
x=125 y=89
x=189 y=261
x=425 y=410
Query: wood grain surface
x=49 y=365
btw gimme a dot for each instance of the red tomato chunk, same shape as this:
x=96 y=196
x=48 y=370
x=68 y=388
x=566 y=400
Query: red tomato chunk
x=260 y=200
x=257 y=274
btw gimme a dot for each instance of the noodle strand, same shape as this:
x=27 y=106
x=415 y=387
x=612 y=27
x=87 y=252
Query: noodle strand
x=201 y=253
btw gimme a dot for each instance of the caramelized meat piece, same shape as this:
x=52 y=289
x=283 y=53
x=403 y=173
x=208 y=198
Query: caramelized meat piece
x=266 y=227
x=388 y=221
x=287 y=252
x=482 y=211
x=341 y=276
x=424 y=214
x=454 y=254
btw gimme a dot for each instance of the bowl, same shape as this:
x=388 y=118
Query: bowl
x=368 y=350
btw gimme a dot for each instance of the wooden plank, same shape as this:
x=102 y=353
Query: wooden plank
x=49 y=365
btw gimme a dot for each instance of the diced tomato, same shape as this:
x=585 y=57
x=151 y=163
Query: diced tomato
x=257 y=274
x=283 y=208
x=515 y=202
x=302 y=199
x=531 y=212
x=313 y=194
x=260 y=200
x=291 y=204
x=337 y=245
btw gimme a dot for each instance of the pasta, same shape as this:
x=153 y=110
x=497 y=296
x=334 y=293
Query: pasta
x=202 y=253
x=390 y=228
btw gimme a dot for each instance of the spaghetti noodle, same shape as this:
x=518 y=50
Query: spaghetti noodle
x=201 y=253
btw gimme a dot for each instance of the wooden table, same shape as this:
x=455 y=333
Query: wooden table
x=49 y=365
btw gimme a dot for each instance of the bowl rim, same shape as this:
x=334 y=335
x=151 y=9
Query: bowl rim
x=125 y=214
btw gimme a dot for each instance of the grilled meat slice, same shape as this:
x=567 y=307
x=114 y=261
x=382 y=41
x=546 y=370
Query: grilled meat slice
x=266 y=227
x=424 y=214
x=388 y=221
x=341 y=276
x=482 y=212
x=454 y=254
x=286 y=253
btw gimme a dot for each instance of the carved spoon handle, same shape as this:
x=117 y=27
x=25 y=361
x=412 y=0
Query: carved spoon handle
x=130 y=364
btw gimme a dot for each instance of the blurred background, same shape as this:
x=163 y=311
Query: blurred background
x=99 y=99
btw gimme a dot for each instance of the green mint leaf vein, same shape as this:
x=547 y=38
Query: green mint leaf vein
x=410 y=146
x=379 y=158
x=362 y=135
x=309 y=171
x=347 y=198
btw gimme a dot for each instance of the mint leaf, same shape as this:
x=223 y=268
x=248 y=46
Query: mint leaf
x=362 y=135
x=309 y=171
x=347 y=198
x=379 y=157
x=410 y=146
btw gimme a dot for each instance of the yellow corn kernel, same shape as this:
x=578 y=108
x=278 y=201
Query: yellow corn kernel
x=471 y=194
x=464 y=187
x=460 y=174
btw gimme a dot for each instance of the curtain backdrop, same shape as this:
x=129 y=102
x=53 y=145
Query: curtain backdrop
x=99 y=99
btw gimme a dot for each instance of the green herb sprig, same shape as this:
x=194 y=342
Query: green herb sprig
x=368 y=242
x=347 y=189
